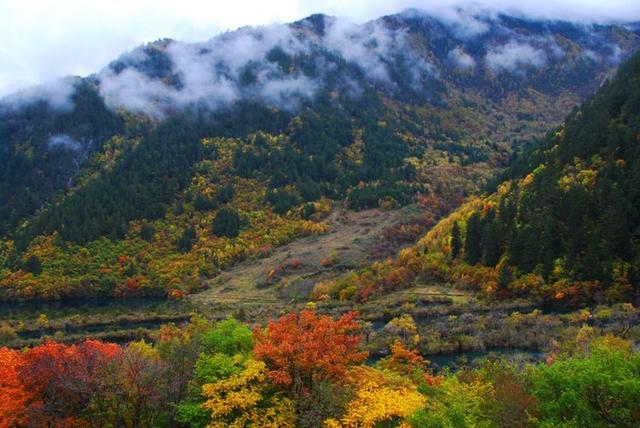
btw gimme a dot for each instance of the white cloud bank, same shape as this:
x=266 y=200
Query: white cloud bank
x=239 y=65
x=43 y=40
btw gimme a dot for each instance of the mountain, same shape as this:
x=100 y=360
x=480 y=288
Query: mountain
x=179 y=159
x=561 y=226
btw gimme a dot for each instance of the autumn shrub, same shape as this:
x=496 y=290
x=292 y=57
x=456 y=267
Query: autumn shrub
x=295 y=263
x=323 y=290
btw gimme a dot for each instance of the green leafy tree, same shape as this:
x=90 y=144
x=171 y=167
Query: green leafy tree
x=226 y=347
x=229 y=337
x=599 y=389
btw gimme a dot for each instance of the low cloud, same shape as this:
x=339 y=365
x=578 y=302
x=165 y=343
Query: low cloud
x=64 y=141
x=515 y=55
x=44 y=40
x=213 y=73
x=616 y=54
x=369 y=46
x=256 y=62
x=56 y=93
x=461 y=59
x=253 y=63
x=464 y=22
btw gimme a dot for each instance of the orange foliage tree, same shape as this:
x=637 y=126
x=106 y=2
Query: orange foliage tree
x=302 y=348
x=13 y=396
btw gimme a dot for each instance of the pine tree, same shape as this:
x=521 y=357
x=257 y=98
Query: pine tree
x=505 y=277
x=473 y=240
x=33 y=265
x=186 y=241
x=226 y=223
x=225 y=194
x=147 y=231
x=456 y=240
x=490 y=243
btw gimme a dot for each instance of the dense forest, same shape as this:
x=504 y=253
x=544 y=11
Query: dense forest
x=570 y=210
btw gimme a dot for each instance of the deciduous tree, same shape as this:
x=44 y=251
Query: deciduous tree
x=301 y=348
x=13 y=395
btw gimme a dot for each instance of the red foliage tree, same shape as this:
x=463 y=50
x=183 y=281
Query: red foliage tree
x=13 y=396
x=300 y=349
x=409 y=362
x=62 y=379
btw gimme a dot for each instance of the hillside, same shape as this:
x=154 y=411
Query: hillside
x=179 y=160
x=562 y=227
x=569 y=213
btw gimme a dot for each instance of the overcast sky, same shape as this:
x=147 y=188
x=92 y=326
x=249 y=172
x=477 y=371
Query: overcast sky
x=44 y=39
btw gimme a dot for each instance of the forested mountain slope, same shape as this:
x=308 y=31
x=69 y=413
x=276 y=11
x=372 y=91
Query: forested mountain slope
x=562 y=226
x=179 y=159
x=570 y=211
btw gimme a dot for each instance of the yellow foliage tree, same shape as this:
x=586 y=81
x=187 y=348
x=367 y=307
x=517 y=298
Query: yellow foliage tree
x=379 y=397
x=241 y=401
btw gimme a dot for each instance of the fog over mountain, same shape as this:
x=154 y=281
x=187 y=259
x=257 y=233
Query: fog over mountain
x=282 y=65
x=42 y=43
x=469 y=81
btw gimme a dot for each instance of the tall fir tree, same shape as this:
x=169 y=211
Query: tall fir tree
x=473 y=239
x=456 y=240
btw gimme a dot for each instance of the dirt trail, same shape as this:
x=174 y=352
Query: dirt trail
x=349 y=241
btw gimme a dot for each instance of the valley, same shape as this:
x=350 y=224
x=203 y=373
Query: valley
x=422 y=220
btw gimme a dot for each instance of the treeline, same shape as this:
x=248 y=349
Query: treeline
x=308 y=370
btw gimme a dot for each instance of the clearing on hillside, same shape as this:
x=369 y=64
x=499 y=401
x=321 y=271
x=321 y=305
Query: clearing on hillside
x=287 y=276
